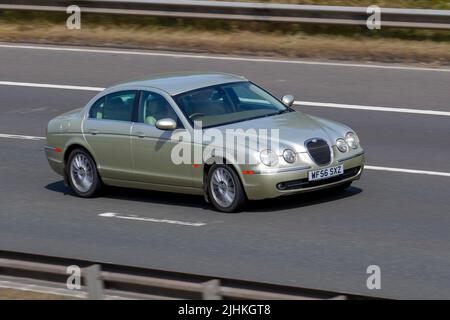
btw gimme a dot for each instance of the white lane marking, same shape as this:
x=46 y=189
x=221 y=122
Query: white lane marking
x=218 y=57
x=197 y=224
x=49 y=86
x=146 y=219
x=431 y=173
x=16 y=136
x=297 y=103
x=371 y=108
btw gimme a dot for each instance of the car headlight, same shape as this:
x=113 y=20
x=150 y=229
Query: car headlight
x=341 y=145
x=268 y=157
x=352 y=140
x=289 y=156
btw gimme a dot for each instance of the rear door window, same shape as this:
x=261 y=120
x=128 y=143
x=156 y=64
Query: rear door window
x=115 y=106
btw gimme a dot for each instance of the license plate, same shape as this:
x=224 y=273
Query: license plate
x=325 y=173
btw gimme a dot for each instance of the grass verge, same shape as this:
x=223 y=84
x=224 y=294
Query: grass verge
x=224 y=37
x=12 y=294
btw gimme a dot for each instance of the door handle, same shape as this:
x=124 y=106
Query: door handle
x=93 y=131
x=140 y=134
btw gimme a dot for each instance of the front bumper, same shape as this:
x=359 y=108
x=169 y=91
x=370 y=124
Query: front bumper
x=270 y=185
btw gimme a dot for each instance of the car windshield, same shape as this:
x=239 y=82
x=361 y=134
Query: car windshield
x=228 y=103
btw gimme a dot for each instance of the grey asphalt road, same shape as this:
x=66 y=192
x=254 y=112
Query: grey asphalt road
x=398 y=221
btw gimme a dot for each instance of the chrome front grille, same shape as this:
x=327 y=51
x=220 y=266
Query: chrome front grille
x=319 y=150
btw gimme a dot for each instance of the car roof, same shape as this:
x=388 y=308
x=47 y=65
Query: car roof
x=176 y=83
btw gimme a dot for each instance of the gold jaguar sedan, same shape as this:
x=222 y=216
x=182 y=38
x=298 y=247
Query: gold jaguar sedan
x=211 y=134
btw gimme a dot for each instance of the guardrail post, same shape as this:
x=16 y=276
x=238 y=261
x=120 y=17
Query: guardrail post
x=94 y=282
x=211 y=290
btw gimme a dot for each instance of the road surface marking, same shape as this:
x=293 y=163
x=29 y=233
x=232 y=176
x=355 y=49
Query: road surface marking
x=137 y=218
x=113 y=215
x=49 y=86
x=218 y=57
x=297 y=103
x=431 y=173
x=371 y=108
x=16 y=136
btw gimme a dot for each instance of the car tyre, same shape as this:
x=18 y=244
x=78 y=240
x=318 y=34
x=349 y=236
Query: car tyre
x=225 y=190
x=82 y=174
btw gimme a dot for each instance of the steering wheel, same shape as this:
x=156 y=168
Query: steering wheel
x=195 y=115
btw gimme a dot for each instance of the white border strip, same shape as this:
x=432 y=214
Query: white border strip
x=16 y=136
x=137 y=218
x=371 y=108
x=213 y=57
x=198 y=224
x=297 y=103
x=431 y=173
x=49 y=86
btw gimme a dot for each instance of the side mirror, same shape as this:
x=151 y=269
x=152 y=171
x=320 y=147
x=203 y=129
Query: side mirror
x=288 y=100
x=166 y=124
